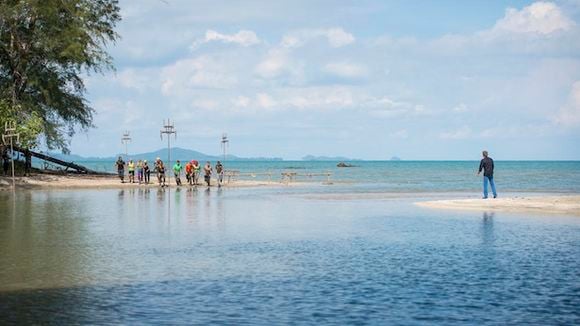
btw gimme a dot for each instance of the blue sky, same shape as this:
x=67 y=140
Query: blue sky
x=363 y=79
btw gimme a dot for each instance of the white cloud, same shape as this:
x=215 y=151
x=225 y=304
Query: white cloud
x=243 y=37
x=291 y=41
x=205 y=104
x=540 y=28
x=264 y=101
x=400 y=134
x=461 y=133
x=273 y=64
x=124 y=113
x=336 y=37
x=540 y=17
x=515 y=131
x=309 y=98
x=278 y=64
x=139 y=79
x=461 y=107
x=346 y=70
x=195 y=73
x=569 y=114
x=385 y=107
x=241 y=101
x=316 y=98
x=319 y=98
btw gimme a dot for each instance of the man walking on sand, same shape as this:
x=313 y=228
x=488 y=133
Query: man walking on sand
x=219 y=169
x=208 y=170
x=121 y=169
x=177 y=167
x=486 y=165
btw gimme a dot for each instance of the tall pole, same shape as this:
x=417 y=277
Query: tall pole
x=126 y=139
x=168 y=129
x=225 y=142
x=10 y=133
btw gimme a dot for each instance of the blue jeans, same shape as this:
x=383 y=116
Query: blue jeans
x=485 y=181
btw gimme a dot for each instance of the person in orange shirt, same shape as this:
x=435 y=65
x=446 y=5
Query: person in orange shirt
x=189 y=172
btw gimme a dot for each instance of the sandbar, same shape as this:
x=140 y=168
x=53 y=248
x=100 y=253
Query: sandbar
x=551 y=204
x=111 y=181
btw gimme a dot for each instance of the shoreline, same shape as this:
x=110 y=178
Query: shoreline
x=568 y=204
x=544 y=203
x=83 y=181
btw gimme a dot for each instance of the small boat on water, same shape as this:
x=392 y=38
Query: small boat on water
x=344 y=165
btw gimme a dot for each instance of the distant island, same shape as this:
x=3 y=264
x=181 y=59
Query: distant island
x=327 y=158
x=395 y=158
x=176 y=154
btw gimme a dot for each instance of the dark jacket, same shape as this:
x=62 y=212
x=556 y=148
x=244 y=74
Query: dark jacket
x=486 y=165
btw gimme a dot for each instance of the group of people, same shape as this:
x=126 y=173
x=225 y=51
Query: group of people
x=192 y=171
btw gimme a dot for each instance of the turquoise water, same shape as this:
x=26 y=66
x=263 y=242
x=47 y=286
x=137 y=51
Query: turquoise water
x=416 y=176
x=275 y=256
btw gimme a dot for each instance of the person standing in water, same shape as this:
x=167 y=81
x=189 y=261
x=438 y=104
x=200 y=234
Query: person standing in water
x=207 y=170
x=140 y=171
x=146 y=172
x=131 y=169
x=219 y=169
x=5 y=160
x=189 y=172
x=487 y=166
x=177 y=167
x=196 y=171
x=27 y=162
x=121 y=169
x=160 y=169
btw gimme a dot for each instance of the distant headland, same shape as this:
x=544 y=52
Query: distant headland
x=177 y=153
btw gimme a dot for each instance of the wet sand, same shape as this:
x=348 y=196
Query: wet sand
x=551 y=204
x=564 y=204
x=106 y=181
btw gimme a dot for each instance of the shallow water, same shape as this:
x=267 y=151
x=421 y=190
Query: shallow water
x=277 y=256
x=414 y=176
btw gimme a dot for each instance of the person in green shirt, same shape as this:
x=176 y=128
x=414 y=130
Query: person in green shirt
x=177 y=172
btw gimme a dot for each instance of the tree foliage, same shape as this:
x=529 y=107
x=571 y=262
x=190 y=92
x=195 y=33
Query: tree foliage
x=28 y=131
x=45 y=48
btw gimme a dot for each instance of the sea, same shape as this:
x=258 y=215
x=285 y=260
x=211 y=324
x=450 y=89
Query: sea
x=352 y=249
x=407 y=176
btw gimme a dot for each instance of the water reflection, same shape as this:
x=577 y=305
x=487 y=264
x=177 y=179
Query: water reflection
x=112 y=257
x=221 y=211
x=488 y=236
x=189 y=204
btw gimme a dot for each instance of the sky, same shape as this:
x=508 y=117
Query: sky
x=421 y=80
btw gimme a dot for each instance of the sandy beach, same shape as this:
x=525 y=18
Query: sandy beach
x=564 y=204
x=106 y=181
